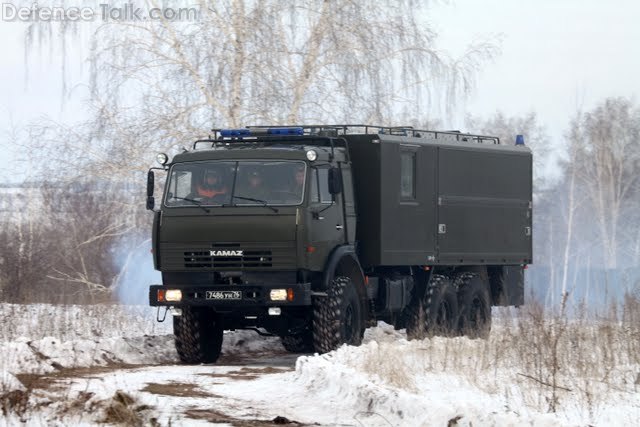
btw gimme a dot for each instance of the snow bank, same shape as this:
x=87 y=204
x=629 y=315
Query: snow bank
x=375 y=384
x=391 y=381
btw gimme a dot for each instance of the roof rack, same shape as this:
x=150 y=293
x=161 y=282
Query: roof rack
x=328 y=131
x=348 y=129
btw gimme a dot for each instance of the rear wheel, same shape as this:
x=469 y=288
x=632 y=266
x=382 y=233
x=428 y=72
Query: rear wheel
x=198 y=335
x=436 y=313
x=475 y=306
x=337 y=318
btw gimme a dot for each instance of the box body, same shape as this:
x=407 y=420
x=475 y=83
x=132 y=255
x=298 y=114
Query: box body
x=423 y=201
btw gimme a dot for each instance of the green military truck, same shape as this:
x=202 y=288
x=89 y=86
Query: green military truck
x=313 y=233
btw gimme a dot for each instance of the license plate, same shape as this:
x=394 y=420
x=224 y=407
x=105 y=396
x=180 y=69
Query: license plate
x=224 y=295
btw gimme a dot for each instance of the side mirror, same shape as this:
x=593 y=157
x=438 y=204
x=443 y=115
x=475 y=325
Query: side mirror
x=151 y=179
x=335 y=181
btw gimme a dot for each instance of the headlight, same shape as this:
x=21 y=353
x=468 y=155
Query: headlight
x=162 y=158
x=173 y=295
x=312 y=155
x=278 y=295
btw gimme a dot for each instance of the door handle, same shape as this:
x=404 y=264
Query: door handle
x=339 y=227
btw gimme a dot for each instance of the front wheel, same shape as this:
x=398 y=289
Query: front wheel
x=198 y=335
x=337 y=318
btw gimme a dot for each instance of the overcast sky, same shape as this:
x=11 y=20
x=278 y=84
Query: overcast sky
x=557 y=56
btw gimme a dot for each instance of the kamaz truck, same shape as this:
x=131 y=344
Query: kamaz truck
x=314 y=233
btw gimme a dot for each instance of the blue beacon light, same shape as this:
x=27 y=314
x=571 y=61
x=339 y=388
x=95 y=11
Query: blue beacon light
x=226 y=133
x=235 y=132
x=285 y=131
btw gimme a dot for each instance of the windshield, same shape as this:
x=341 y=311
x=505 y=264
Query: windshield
x=231 y=183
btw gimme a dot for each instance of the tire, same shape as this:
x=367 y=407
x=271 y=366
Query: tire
x=198 y=336
x=298 y=343
x=337 y=318
x=437 y=313
x=475 y=306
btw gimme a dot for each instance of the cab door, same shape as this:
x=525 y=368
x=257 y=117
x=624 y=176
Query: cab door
x=326 y=222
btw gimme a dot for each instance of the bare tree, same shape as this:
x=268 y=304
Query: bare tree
x=91 y=217
x=606 y=155
x=571 y=200
x=23 y=250
x=160 y=84
x=62 y=242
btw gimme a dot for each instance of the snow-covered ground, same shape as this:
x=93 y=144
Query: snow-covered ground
x=115 y=364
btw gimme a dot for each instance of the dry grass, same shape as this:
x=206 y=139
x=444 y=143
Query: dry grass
x=548 y=361
x=121 y=409
x=14 y=402
x=67 y=322
x=580 y=359
x=397 y=374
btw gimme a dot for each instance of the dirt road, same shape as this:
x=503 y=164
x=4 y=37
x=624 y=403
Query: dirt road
x=232 y=392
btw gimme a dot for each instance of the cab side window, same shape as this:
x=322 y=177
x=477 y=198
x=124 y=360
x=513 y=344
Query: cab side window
x=320 y=186
x=313 y=182
x=323 y=179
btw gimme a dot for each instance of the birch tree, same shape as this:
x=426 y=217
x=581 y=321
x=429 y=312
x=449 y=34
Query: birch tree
x=570 y=200
x=606 y=156
x=161 y=84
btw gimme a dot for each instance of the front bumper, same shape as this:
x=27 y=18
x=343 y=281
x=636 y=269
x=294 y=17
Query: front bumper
x=252 y=295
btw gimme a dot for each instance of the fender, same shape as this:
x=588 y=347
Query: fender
x=336 y=255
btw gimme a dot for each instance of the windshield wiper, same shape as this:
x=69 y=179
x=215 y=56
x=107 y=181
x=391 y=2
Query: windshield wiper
x=251 y=199
x=198 y=203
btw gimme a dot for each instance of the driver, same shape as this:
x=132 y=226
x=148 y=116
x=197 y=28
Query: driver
x=212 y=185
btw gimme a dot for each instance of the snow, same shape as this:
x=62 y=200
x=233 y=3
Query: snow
x=104 y=335
x=9 y=383
x=386 y=381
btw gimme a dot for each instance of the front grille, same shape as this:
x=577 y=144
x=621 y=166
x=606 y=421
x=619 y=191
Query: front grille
x=249 y=259
x=222 y=256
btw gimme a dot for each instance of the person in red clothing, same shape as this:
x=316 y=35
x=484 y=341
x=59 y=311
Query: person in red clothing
x=212 y=187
